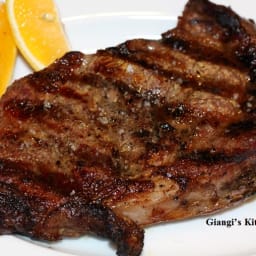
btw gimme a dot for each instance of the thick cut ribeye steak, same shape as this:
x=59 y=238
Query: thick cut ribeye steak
x=141 y=133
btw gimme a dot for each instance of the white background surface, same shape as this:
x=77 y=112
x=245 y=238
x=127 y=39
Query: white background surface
x=100 y=23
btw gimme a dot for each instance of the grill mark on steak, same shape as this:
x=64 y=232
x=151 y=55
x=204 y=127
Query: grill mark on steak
x=209 y=157
x=150 y=86
x=132 y=135
x=189 y=72
x=241 y=127
x=159 y=90
x=24 y=109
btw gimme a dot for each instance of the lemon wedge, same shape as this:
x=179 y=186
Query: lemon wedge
x=7 y=50
x=37 y=30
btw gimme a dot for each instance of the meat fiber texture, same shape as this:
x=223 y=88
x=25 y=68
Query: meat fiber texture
x=145 y=132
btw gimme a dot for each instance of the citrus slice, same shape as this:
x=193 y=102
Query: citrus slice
x=7 y=50
x=37 y=30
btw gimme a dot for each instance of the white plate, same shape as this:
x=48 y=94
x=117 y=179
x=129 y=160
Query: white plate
x=98 y=24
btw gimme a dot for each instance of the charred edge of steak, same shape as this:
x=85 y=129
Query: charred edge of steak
x=217 y=23
x=49 y=82
x=223 y=15
x=215 y=20
x=226 y=18
x=15 y=212
x=45 y=213
x=78 y=216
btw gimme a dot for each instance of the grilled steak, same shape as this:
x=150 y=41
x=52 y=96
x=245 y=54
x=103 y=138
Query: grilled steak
x=144 y=132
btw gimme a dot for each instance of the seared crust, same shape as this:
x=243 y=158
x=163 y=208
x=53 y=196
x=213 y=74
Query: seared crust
x=141 y=133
